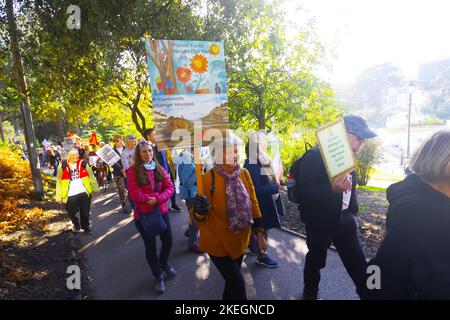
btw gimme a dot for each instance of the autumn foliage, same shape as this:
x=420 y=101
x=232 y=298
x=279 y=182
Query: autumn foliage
x=15 y=188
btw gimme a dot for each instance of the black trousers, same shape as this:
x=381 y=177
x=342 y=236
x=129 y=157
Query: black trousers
x=173 y=198
x=231 y=272
x=82 y=203
x=154 y=262
x=348 y=246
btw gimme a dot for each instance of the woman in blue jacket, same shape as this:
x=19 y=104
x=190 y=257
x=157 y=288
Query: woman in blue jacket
x=259 y=165
x=188 y=190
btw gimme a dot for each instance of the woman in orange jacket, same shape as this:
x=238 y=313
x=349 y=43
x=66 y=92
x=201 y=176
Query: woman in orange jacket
x=226 y=214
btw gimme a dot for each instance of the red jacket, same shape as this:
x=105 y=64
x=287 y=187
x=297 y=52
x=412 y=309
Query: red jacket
x=140 y=195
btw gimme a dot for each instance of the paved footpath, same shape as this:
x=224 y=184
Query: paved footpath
x=116 y=262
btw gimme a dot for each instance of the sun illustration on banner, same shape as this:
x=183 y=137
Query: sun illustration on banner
x=199 y=63
x=214 y=49
x=184 y=74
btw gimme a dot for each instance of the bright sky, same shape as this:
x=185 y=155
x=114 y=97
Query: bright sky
x=370 y=32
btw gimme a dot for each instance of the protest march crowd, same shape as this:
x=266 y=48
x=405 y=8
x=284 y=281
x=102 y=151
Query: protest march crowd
x=239 y=202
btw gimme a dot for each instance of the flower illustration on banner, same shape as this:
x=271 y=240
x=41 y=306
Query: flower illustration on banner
x=199 y=63
x=184 y=74
x=214 y=49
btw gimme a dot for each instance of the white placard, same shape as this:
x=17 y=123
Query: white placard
x=107 y=154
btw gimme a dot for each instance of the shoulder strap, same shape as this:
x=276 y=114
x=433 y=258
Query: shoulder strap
x=213 y=181
x=307 y=146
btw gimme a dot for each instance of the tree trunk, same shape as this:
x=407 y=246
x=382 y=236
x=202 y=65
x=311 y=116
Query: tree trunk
x=136 y=114
x=1 y=129
x=135 y=119
x=170 y=67
x=61 y=131
x=262 y=121
x=261 y=115
x=25 y=108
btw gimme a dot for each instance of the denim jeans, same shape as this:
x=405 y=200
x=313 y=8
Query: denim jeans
x=192 y=228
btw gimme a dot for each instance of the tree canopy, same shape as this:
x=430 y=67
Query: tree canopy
x=95 y=78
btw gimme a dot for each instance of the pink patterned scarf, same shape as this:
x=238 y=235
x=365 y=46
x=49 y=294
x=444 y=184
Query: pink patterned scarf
x=239 y=206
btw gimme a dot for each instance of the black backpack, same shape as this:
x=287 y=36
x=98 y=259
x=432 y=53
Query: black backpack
x=292 y=181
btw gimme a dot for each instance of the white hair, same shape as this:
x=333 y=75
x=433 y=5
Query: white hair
x=227 y=140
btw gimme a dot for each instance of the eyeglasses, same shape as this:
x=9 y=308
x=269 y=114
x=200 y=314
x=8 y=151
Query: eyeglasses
x=116 y=140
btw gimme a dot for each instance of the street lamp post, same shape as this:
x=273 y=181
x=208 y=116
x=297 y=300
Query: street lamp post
x=411 y=86
x=409 y=126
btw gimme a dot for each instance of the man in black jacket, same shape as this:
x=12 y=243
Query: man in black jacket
x=328 y=210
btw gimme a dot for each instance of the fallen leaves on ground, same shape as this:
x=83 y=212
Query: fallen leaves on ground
x=23 y=229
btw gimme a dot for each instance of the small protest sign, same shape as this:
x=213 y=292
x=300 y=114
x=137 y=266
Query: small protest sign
x=335 y=148
x=107 y=154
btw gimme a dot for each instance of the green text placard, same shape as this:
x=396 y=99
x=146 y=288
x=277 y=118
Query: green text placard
x=335 y=148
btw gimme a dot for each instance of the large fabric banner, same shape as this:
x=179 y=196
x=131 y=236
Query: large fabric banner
x=189 y=90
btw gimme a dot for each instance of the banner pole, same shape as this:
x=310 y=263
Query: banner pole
x=198 y=170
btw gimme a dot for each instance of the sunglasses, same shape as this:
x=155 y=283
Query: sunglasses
x=144 y=143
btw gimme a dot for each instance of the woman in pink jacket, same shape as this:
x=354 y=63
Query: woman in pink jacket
x=141 y=183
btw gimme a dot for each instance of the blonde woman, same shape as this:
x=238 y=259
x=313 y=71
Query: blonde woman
x=75 y=185
x=414 y=257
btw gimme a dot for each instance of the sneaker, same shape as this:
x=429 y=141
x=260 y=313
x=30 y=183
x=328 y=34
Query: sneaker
x=76 y=229
x=160 y=286
x=169 y=272
x=124 y=211
x=87 y=231
x=267 y=261
x=175 y=208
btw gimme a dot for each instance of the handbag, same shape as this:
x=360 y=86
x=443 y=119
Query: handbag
x=153 y=222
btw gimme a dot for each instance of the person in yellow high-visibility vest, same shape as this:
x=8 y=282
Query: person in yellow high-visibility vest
x=75 y=185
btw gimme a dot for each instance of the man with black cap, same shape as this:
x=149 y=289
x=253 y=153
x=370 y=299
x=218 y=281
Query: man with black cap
x=329 y=210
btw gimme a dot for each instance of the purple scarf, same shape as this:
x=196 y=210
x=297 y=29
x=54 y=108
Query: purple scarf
x=239 y=206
